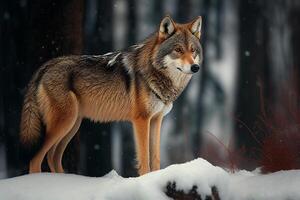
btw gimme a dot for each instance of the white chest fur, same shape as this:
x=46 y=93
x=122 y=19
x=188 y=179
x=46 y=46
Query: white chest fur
x=157 y=106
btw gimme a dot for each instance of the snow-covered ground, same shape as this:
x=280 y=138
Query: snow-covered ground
x=238 y=186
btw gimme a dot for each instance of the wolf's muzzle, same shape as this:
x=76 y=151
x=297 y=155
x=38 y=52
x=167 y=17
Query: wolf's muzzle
x=195 y=68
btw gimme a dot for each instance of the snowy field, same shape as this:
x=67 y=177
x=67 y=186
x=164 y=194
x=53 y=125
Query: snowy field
x=241 y=185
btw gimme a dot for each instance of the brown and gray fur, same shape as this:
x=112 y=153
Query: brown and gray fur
x=137 y=85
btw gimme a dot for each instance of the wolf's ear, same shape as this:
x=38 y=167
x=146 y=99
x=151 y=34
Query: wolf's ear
x=195 y=26
x=167 y=27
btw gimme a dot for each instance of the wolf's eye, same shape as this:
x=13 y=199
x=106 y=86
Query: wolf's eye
x=178 y=50
x=193 y=49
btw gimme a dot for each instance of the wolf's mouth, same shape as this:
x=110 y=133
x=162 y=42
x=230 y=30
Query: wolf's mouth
x=179 y=69
x=184 y=72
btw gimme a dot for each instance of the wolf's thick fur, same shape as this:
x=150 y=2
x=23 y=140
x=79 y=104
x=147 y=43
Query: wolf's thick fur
x=137 y=85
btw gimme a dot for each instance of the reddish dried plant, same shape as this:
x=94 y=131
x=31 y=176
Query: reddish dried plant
x=280 y=148
x=218 y=153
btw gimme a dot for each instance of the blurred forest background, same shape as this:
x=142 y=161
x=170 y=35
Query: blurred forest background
x=240 y=110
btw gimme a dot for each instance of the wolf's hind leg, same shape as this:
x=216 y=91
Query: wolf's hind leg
x=50 y=155
x=58 y=155
x=59 y=118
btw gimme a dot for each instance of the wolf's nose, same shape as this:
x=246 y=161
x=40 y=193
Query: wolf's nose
x=195 y=68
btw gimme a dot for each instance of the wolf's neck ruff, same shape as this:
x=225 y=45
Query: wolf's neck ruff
x=162 y=86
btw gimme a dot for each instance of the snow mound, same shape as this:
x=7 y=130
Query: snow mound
x=242 y=185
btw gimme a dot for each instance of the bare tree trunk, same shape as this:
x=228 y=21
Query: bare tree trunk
x=31 y=33
x=56 y=30
x=254 y=64
x=12 y=63
x=128 y=147
x=97 y=137
x=294 y=19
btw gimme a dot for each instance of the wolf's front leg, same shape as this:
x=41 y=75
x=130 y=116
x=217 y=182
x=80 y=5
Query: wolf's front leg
x=141 y=133
x=155 y=125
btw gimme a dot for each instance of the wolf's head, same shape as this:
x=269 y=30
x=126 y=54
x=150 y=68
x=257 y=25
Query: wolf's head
x=178 y=48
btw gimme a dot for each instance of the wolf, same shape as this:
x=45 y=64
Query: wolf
x=138 y=84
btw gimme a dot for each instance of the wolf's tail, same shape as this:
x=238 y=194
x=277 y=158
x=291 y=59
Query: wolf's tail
x=31 y=119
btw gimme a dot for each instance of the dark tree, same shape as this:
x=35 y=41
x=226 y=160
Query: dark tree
x=128 y=146
x=294 y=19
x=31 y=33
x=253 y=65
x=96 y=138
